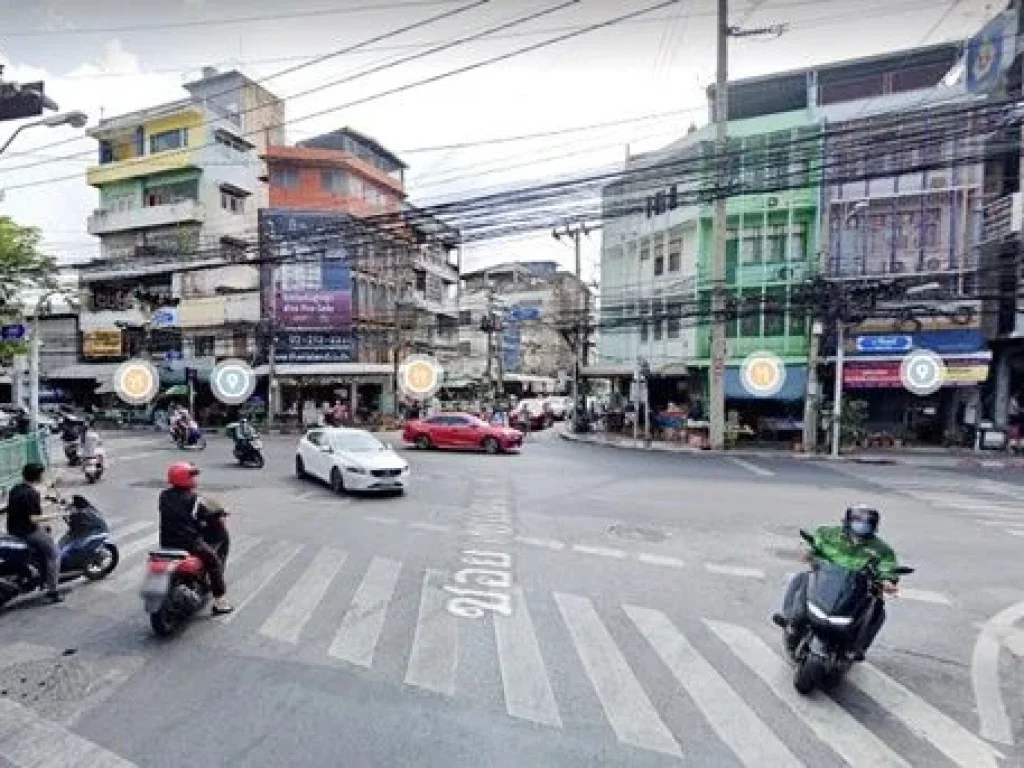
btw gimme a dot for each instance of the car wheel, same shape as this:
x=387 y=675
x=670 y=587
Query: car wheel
x=422 y=442
x=491 y=446
x=337 y=481
x=300 y=468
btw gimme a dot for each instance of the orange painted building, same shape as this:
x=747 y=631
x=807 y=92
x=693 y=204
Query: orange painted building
x=343 y=172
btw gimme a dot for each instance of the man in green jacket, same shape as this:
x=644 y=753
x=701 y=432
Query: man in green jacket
x=851 y=545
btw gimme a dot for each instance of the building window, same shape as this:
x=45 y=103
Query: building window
x=674 y=321
x=465 y=349
x=675 y=248
x=334 y=181
x=751 y=246
x=285 y=177
x=644 y=329
x=776 y=243
x=465 y=317
x=240 y=344
x=659 y=265
x=231 y=142
x=645 y=249
x=168 y=140
x=658 y=329
x=798 y=241
x=204 y=346
x=232 y=202
x=797 y=314
x=750 y=313
x=775 y=312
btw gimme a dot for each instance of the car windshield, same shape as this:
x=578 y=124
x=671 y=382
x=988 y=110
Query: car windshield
x=357 y=442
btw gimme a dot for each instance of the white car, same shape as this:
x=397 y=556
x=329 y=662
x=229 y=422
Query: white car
x=350 y=460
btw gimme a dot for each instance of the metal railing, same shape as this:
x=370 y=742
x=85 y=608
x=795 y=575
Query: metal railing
x=15 y=453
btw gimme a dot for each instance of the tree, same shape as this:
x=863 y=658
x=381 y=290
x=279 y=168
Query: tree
x=24 y=268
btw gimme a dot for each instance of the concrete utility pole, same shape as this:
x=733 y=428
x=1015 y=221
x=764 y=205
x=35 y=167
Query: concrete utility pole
x=716 y=393
x=581 y=315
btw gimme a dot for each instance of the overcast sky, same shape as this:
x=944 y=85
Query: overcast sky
x=107 y=57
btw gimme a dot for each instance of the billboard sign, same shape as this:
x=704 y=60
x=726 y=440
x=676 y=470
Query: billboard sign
x=312 y=289
x=991 y=52
x=315 y=347
x=100 y=344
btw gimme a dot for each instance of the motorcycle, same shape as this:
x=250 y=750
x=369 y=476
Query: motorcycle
x=836 y=602
x=86 y=549
x=249 y=452
x=176 y=585
x=71 y=452
x=92 y=468
x=185 y=437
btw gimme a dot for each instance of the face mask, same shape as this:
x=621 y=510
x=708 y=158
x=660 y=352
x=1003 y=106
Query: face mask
x=861 y=527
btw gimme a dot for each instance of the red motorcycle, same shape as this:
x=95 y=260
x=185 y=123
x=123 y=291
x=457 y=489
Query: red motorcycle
x=176 y=585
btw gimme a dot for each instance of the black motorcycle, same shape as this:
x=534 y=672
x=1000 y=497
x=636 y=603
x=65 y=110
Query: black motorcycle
x=836 y=603
x=249 y=451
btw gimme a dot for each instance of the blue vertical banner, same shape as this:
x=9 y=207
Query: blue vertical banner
x=991 y=52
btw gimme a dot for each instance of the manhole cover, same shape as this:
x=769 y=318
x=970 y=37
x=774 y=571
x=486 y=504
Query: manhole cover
x=637 y=533
x=158 y=484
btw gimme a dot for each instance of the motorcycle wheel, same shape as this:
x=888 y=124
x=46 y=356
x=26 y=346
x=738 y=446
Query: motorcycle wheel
x=259 y=461
x=808 y=675
x=164 y=623
x=103 y=564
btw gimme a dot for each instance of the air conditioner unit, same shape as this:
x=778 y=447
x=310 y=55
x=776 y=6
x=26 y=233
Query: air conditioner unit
x=938 y=180
x=933 y=264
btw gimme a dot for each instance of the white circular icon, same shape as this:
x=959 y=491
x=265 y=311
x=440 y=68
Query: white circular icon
x=420 y=377
x=922 y=372
x=136 y=381
x=232 y=382
x=762 y=374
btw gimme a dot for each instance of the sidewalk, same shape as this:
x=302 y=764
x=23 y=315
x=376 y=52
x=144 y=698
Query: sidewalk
x=936 y=458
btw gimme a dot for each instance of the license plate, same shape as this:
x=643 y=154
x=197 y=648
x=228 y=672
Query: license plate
x=155 y=584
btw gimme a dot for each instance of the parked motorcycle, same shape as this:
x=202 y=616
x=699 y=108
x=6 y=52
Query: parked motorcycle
x=176 y=585
x=249 y=452
x=837 y=601
x=86 y=549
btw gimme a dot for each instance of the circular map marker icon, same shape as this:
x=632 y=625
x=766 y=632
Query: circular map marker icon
x=922 y=372
x=232 y=382
x=136 y=381
x=420 y=377
x=763 y=374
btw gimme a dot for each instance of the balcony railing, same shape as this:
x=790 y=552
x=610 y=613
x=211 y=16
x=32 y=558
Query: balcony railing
x=1002 y=218
x=103 y=222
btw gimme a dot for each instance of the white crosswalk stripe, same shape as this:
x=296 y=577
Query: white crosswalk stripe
x=632 y=716
x=853 y=742
x=131 y=529
x=283 y=586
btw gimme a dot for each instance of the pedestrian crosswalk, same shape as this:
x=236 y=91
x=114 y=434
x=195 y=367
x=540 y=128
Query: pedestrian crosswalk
x=350 y=611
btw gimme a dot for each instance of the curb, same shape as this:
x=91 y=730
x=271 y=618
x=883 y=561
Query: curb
x=923 y=462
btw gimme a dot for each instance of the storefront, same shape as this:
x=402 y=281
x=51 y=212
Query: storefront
x=366 y=389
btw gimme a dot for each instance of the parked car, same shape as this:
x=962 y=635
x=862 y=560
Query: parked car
x=350 y=460
x=461 y=430
x=559 y=406
x=531 y=414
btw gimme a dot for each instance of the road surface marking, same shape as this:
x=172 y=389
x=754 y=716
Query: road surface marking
x=759 y=471
x=257 y=578
x=129 y=530
x=858 y=746
x=994 y=523
x=434 y=527
x=652 y=559
x=435 y=646
x=753 y=743
x=139 y=545
x=630 y=713
x=923 y=596
x=528 y=692
x=127 y=575
x=1015 y=531
x=554 y=544
x=1014 y=642
x=136 y=456
x=734 y=570
x=290 y=616
x=921 y=718
x=362 y=623
x=599 y=551
x=26 y=739
x=988 y=698
x=381 y=520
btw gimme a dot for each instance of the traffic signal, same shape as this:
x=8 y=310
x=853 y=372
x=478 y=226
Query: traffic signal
x=21 y=101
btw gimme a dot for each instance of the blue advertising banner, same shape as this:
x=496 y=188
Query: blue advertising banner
x=991 y=52
x=947 y=342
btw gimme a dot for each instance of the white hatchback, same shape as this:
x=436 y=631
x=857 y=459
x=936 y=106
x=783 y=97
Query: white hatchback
x=350 y=460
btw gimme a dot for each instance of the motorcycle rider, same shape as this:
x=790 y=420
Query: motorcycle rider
x=851 y=545
x=92 y=445
x=182 y=516
x=24 y=513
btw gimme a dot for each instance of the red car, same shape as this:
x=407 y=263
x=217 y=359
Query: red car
x=460 y=430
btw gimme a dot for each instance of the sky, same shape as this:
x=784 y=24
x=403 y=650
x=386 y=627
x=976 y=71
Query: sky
x=107 y=57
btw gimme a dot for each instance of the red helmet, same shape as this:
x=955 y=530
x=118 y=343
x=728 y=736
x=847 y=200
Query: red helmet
x=181 y=474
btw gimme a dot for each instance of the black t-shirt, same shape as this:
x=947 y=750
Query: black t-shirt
x=23 y=502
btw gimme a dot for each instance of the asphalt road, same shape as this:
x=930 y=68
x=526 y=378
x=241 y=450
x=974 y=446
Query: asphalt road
x=573 y=605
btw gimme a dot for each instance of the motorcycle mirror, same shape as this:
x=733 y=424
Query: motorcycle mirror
x=806 y=536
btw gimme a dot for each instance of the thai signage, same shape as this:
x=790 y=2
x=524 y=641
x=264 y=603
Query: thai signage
x=885 y=374
x=102 y=344
x=314 y=347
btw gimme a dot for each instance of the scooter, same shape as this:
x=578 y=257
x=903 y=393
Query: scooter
x=176 y=585
x=186 y=437
x=249 y=452
x=71 y=452
x=86 y=549
x=837 y=601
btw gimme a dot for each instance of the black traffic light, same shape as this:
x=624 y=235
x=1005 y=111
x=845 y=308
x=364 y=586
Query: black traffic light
x=191 y=376
x=21 y=101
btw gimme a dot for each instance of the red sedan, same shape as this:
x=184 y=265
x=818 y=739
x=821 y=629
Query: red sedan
x=460 y=430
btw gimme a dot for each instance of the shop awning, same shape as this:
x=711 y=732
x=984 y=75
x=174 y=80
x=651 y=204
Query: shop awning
x=794 y=388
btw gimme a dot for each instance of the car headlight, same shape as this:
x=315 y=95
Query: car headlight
x=839 y=621
x=356 y=470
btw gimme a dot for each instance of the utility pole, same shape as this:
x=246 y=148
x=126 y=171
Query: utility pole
x=716 y=392
x=580 y=317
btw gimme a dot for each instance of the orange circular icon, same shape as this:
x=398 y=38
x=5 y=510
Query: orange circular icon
x=420 y=376
x=762 y=374
x=136 y=382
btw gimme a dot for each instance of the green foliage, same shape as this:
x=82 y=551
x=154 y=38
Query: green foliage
x=23 y=266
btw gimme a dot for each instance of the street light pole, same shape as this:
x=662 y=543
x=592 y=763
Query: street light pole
x=75 y=119
x=716 y=379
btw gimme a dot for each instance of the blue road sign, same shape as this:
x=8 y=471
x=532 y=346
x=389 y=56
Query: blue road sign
x=883 y=344
x=15 y=332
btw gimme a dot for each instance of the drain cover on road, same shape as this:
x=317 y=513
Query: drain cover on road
x=637 y=533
